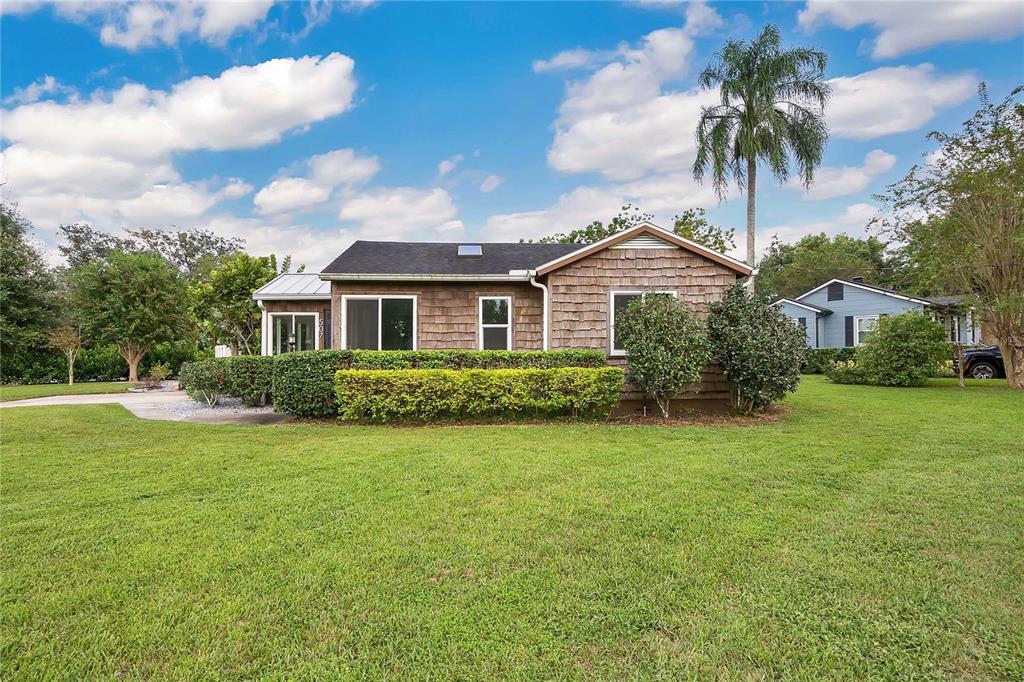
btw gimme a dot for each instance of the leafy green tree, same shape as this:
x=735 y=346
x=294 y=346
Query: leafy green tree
x=789 y=270
x=960 y=220
x=772 y=110
x=132 y=300
x=224 y=300
x=27 y=294
x=691 y=224
x=667 y=346
x=757 y=346
x=194 y=251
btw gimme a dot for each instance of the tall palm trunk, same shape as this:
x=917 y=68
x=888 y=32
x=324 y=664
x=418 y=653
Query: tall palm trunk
x=751 y=192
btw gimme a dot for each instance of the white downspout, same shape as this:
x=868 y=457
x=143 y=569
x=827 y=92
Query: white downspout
x=544 y=289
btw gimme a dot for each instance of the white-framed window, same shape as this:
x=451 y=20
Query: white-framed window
x=378 y=322
x=494 y=326
x=862 y=326
x=618 y=301
x=294 y=331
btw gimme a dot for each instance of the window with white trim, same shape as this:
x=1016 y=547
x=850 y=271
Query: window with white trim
x=862 y=326
x=618 y=301
x=290 y=332
x=378 y=322
x=495 y=323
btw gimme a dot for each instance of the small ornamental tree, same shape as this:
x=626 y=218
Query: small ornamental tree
x=66 y=338
x=902 y=350
x=224 y=300
x=667 y=345
x=134 y=301
x=757 y=346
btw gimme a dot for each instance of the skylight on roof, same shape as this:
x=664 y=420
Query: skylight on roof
x=466 y=250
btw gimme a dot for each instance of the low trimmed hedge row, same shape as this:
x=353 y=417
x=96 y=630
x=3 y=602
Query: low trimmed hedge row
x=432 y=394
x=249 y=377
x=304 y=381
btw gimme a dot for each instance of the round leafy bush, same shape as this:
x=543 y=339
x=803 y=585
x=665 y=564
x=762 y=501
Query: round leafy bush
x=757 y=346
x=903 y=350
x=667 y=346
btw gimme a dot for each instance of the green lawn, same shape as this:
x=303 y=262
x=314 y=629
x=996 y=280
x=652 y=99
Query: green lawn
x=872 y=533
x=46 y=390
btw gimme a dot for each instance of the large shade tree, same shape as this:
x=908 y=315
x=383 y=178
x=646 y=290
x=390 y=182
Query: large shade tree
x=960 y=220
x=132 y=300
x=27 y=295
x=771 y=112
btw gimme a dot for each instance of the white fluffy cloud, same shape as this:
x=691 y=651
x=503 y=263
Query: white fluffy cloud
x=911 y=26
x=326 y=172
x=108 y=159
x=490 y=183
x=838 y=181
x=47 y=86
x=893 y=99
x=853 y=221
x=448 y=165
x=400 y=213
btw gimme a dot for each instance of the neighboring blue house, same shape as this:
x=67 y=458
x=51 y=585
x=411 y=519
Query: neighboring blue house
x=840 y=313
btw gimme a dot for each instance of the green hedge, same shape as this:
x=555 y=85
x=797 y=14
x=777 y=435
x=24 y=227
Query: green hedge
x=433 y=394
x=249 y=377
x=203 y=380
x=819 y=360
x=304 y=381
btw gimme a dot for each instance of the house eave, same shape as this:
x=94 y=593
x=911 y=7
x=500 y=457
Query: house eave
x=380 y=277
x=291 y=297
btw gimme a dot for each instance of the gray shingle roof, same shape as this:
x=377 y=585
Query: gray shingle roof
x=435 y=258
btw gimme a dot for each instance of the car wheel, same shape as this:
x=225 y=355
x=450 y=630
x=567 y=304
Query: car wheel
x=983 y=370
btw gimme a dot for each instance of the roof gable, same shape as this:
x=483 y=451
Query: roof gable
x=866 y=287
x=635 y=232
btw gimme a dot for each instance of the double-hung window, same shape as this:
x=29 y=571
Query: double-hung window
x=617 y=304
x=495 y=327
x=378 y=322
x=862 y=326
x=293 y=332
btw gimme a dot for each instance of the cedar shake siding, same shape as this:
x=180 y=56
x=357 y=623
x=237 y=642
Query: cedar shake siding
x=580 y=300
x=447 y=313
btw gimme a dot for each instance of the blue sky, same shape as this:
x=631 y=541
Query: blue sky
x=303 y=126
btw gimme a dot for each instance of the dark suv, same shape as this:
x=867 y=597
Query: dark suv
x=983 y=363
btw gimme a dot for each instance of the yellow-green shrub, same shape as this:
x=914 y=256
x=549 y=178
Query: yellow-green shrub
x=438 y=394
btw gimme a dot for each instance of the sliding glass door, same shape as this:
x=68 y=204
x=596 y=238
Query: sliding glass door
x=293 y=332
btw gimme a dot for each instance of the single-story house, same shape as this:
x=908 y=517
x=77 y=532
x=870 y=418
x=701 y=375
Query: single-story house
x=514 y=296
x=839 y=313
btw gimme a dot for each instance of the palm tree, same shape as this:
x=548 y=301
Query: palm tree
x=772 y=110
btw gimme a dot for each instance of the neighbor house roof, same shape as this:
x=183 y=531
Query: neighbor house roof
x=800 y=304
x=868 y=287
x=388 y=260
x=301 y=285
x=496 y=261
x=950 y=301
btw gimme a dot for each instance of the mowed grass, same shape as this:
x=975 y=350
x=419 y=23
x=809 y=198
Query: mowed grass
x=871 y=533
x=21 y=392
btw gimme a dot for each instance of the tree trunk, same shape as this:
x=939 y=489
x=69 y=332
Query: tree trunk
x=71 y=368
x=751 y=200
x=132 y=354
x=1013 y=360
x=960 y=362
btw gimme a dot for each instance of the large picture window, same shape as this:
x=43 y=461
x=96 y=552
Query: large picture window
x=293 y=332
x=862 y=326
x=618 y=302
x=379 y=322
x=495 y=330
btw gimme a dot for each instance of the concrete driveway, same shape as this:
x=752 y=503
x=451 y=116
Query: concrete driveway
x=172 y=406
